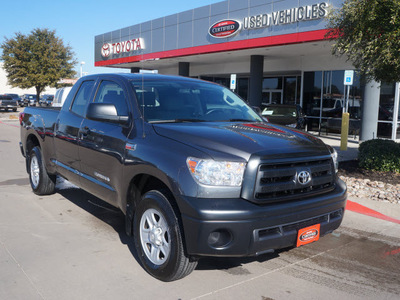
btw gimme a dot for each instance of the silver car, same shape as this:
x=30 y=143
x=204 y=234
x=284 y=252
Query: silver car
x=29 y=99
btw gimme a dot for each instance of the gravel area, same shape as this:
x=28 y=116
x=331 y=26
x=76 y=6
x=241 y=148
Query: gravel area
x=378 y=186
x=374 y=190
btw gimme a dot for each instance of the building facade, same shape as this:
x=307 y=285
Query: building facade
x=276 y=50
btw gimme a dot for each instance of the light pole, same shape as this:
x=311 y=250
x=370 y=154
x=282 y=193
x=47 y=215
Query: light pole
x=82 y=63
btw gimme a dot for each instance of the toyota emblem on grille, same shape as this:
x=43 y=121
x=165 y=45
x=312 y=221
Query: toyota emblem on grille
x=304 y=177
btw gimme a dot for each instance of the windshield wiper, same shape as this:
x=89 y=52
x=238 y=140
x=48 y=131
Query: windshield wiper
x=189 y=120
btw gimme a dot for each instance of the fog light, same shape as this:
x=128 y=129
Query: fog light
x=219 y=238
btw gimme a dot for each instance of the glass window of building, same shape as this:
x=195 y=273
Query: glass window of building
x=243 y=88
x=386 y=109
x=272 y=91
x=324 y=99
x=312 y=98
x=291 y=89
x=272 y=83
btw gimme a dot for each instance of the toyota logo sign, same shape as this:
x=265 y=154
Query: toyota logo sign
x=109 y=49
x=304 y=177
x=106 y=50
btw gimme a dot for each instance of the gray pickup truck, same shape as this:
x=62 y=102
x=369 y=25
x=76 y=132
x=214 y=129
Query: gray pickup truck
x=8 y=103
x=195 y=170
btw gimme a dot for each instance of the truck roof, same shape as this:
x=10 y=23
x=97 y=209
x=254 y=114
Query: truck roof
x=132 y=76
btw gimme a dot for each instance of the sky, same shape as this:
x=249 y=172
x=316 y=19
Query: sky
x=77 y=22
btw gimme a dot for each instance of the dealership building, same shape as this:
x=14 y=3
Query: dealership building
x=268 y=52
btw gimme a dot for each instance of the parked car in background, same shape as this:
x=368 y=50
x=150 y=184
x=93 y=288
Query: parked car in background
x=8 y=103
x=16 y=97
x=46 y=100
x=29 y=99
x=60 y=96
x=285 y=114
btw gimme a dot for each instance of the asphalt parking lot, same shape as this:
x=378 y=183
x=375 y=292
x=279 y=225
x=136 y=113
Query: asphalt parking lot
x=71 y=245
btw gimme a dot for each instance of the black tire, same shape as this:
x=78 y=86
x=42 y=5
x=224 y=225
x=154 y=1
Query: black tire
x=165 y=240
x=41 y=182
x=14 y=109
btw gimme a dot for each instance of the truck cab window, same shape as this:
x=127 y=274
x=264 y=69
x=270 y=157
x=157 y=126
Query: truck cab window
x=113 y=93
x=82 y=98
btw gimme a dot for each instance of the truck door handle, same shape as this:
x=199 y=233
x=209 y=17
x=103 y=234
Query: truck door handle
x=85 y=131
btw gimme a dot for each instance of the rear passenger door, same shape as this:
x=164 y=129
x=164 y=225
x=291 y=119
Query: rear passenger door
x=102 y=144
x=67 y=132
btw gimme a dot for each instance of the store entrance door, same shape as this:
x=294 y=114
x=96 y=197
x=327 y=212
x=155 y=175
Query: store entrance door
x=271 y=96
x=281 y=90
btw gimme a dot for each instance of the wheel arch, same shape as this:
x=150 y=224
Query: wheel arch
x=138 y=186
x=31 y=142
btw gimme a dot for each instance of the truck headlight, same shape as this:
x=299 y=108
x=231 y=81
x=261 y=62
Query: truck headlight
x=334 y=158
x=216 y=173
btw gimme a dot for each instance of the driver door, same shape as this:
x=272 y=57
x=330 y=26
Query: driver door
x=102 y=144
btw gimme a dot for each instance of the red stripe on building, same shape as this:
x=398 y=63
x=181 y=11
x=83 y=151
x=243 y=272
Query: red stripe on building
x=286 y=39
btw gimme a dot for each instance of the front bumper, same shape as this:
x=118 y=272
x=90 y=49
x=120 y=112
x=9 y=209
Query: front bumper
x=236 y=227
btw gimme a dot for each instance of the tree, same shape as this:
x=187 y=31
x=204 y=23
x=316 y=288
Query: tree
x=37 y=60
x=368 y=32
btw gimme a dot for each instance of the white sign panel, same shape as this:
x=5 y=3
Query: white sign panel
x=348 y=77
x=233 y=81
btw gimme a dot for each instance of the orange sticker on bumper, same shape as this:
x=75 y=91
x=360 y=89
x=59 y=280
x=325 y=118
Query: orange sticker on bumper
x=308 y=235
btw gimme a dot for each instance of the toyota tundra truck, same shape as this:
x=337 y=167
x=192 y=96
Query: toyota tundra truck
x=194 y=169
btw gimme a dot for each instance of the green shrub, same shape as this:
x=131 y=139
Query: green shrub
x=379 y=155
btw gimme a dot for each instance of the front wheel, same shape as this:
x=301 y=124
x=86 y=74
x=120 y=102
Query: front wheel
x=41 y=182
x=158 y=239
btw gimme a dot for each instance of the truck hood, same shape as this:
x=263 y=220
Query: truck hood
x=239 y=141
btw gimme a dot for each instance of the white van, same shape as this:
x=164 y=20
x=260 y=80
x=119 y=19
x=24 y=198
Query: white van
x=60 y=96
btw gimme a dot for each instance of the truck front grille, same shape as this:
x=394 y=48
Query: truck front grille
x=288 y=180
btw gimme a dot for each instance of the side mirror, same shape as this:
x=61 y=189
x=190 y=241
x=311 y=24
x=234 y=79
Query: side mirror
x=106 y=112
x=259 y=112
x=257 y=109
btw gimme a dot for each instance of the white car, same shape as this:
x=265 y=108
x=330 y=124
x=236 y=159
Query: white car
x=60 y=96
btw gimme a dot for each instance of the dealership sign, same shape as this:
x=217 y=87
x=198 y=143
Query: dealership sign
x=109 y=49
x=227 y=28
x=287 y=16
x=224 y=28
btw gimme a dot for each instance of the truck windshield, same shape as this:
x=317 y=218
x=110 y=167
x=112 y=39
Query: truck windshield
x=163 y=101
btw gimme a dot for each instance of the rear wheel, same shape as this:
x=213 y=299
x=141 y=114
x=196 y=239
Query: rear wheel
x=158 y=239
x=41 y=182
